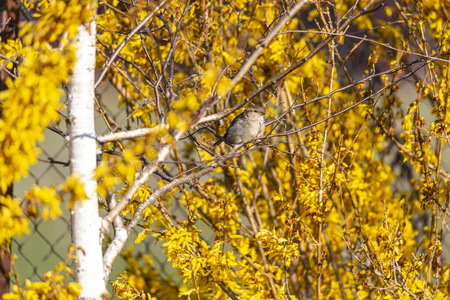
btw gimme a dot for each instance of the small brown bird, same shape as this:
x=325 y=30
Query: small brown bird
x=246 y=127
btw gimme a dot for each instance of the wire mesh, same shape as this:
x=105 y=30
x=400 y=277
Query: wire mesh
x=49 y=241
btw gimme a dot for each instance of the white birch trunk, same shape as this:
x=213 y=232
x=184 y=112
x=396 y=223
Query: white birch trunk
x=85 y=218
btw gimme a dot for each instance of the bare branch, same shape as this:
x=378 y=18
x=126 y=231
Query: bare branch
x=131 y=134
x=140 y=180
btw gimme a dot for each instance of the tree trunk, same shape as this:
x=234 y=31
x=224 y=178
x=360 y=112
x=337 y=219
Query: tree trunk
x=85 y=217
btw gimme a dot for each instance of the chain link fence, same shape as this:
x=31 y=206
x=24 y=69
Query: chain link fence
x=48 y=242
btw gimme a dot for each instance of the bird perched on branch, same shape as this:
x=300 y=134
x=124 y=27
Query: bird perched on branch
x=246 y=127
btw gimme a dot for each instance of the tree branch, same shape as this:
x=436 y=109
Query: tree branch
x=280 y=76
x=125 y=41
x=131 y=134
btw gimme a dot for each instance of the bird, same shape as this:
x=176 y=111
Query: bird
x=246 y=127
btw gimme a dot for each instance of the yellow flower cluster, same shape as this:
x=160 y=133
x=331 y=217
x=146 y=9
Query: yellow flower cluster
x=12 y=220
x=54 y=285
x=30 y=101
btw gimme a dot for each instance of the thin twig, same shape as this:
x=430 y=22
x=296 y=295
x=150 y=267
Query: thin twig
x=125 y=41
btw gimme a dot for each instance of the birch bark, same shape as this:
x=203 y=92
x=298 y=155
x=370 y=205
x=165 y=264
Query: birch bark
x=85 y=217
